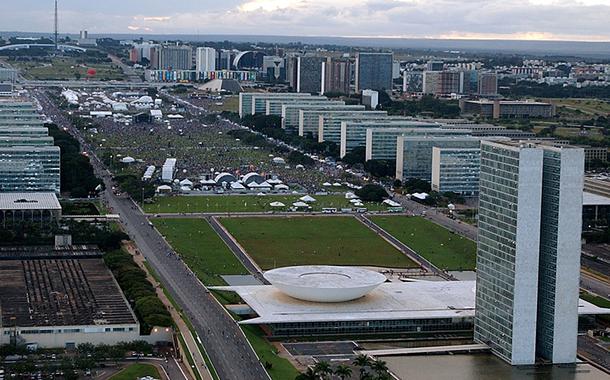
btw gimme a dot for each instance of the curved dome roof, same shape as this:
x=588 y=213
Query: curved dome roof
x=324 y=283
x=225 y=177
x=252 y=177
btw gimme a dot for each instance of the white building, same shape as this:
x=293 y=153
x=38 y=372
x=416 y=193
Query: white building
x=205 y=59
x=529 y=251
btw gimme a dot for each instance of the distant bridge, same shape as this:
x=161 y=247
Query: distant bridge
x=28 y=46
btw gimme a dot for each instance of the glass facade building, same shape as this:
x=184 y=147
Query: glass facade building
x=528 y=259
x=414 y=153
x=309 y=74
x=374 y=71
x=309 y=120
x=274 y=106
x=329 y=125
x=291 y=112
x=456 y=170
x=29 y=168
x=381 y=143
x=245 y=99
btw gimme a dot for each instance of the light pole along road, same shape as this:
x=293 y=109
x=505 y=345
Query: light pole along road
x=228 y=349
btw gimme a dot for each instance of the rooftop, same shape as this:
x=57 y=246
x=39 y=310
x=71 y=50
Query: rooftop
x=389 y=301
x=29 y=201
x=61 y=292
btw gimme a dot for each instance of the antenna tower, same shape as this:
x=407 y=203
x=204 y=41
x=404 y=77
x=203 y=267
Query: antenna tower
x=55 y=24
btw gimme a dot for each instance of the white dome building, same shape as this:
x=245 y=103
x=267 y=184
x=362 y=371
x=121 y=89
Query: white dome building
x=324 y=283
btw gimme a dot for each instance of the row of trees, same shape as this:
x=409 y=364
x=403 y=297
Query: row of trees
x=77 y=176
x=368 y=369
x=138 y=290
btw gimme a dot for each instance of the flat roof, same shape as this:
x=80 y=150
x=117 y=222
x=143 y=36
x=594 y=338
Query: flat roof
x=590 y=199
x=61 y=292
x=389 y=301
x=29 y=201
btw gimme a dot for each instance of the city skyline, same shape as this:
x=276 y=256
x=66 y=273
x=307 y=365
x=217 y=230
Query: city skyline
x=446 y=19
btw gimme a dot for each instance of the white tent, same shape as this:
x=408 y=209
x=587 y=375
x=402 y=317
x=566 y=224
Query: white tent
x=274 y=181
x=299 y=166
x=354 y=201
x=350 y=195
x=327 y=184
x=420 y=196
x=186 y=182
x=277 y=204
x=300 y=204
x=128 y=160
x=207 y=182
x=358 y=204
x=261 y=194
x=307 y=199
x=337 y=184
x=237 y=186
x=391 y=203
x=164 y=189
x=281 y=186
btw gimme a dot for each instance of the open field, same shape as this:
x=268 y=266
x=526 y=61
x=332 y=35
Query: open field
x=66 y=69
x=229 y=104
x=589 y=107
x=592 y=133
x=201 y=249
x=244 y=203
x=136 y=371
x=437 y=244
x=284 y=241
x=281 y=368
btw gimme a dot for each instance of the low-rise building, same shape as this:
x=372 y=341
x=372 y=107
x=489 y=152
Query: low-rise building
x=509 y=109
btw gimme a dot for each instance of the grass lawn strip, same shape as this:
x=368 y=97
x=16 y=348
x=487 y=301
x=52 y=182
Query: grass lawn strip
x=246 y=203
x=281 y=368
x=342 y=240
x=135 y=371
x=201 y=249
x=440 y=246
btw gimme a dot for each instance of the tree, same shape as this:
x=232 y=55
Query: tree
x=380 y=367
x=362 y=361
x=323 y=369
x=356 y=156
x=372 y=193
x=309 y=374
x=343 y=371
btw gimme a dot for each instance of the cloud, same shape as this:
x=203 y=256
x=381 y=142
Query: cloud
x=521 y=19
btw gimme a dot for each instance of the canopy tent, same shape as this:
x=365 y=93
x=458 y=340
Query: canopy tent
x=300 y=204
x=277 y=204
x=337 y=184
x=237 y=186
x=186 y=182
x=327 y=184
x=420 y=196
x=128 y=160
x=164 y=188
x=391 y=203
x=350 y=195
x=307 y=199
x=281 y=186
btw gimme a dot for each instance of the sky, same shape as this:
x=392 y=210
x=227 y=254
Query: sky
x=577 y=20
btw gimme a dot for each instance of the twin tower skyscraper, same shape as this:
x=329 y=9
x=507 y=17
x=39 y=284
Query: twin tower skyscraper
x=529 y=244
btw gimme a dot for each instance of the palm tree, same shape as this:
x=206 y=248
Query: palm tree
x=362 y=361
x=310 y=374
x=323 y=369
x=343 y=371
x=380 y=367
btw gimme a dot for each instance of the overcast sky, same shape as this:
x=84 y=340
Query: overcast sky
x=504 y=19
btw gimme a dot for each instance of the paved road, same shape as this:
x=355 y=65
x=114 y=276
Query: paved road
x=594 y=284
x=228 y=349
x=406 y=250
x=589 y=349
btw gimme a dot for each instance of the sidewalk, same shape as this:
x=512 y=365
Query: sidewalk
x=192 y=346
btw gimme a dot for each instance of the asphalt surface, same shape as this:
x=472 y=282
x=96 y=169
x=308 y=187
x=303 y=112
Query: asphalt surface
x=591 y=350
x=228 y=349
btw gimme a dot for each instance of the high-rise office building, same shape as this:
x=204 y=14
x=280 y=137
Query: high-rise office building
x=337 y=75
x=435 y=66
x=528 y=258
x=309 y=74
x=174 y=58
x=488 y=84
x=441 y=82
x=374 y=71
x=205 y=59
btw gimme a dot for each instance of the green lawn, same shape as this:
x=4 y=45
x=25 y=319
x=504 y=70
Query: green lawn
x=595 y=300
x=244 y=203
x=437 y=244
x=135 y=371
x=68 y=68
x=281 y=369
x=201 y=248
x=284 y=241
